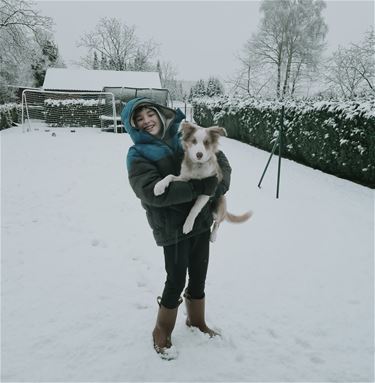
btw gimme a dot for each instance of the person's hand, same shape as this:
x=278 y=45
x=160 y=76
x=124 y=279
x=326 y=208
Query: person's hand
x=205 y=186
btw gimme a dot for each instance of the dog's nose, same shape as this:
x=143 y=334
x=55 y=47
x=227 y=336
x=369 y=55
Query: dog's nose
x=199 y=155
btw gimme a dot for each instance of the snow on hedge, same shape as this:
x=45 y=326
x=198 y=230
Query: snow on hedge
x=56 y=103
x=348 y=108
x=9 y=114
x=8 y=107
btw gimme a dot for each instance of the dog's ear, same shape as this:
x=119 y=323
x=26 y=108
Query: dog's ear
x=186 y=128
x=217 y=130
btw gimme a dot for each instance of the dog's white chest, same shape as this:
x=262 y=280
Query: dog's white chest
x=198 y=171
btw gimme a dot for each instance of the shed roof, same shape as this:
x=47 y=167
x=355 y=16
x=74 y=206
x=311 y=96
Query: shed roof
x=96 y=80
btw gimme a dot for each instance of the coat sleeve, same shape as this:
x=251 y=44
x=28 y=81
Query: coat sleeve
x=143 y=175
x=226 y=169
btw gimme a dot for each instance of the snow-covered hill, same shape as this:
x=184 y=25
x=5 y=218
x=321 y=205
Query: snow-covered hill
x=291 y=291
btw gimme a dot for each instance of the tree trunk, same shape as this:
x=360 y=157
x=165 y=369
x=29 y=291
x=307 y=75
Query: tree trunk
x=279 y=62
x=295 y=78
x=248 y=81
x=287 y=72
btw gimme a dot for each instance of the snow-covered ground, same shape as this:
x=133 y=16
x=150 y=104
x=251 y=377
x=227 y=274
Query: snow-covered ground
x=291 y=291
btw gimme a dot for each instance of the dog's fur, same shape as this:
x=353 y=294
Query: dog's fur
x=200 y=146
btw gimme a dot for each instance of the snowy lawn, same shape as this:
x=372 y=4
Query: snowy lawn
x=291 y=290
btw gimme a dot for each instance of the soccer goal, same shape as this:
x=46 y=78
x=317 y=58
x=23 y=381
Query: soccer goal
x=44 y=109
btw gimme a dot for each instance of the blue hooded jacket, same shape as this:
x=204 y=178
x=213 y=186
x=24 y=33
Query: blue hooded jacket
x=149 y=160
x=146 y=144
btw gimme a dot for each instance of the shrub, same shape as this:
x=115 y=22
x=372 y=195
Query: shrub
x=9 y=115
x=73 y=112
x=337 y=137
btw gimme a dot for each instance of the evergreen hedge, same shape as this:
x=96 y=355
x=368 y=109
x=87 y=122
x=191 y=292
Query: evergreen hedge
x=337 y=137
x=9 y=114
x=57 y=113
x=73 y=112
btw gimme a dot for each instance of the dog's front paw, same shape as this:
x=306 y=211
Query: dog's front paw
x=188 y=226
x=159 y=188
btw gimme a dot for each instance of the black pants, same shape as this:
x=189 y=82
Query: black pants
x=189 y=255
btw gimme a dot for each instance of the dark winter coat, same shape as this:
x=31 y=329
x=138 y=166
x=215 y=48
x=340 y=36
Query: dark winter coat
x=149 y=160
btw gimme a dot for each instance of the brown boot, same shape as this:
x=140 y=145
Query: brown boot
x=162 y=332
x=195 y=315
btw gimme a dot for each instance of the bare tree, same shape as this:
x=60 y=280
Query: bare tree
x=250 y=78
x=289 y=42
x=118 y=46
x=351 y=70
x=23 y=33
x=145 y=52
x=18 y=19
x=269 y=44
x=341 y=75
x=365 y=54
x=304 y=40
x=168 y=72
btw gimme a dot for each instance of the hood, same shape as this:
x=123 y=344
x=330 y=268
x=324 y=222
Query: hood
x=170 y=119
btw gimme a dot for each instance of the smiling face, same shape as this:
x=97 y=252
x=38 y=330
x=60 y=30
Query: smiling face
x=147 y=119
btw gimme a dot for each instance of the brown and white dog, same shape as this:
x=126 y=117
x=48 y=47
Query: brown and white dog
x=200 y=146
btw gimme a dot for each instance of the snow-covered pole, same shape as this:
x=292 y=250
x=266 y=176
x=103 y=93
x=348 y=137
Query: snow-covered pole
x=114 y=113
x=22 y=116
x=27 y=110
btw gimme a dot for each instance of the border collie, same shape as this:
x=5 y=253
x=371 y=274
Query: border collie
x=200 y=147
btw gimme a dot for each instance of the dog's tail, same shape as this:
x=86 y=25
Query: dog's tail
x=238 y=218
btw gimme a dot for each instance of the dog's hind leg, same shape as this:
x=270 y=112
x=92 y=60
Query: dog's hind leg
x=195 y=210
x=219 y=215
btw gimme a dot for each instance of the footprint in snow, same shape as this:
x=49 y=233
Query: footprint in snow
x=316 y=359
x=141 y=306
x=354 y=302
x=141 y=284
x=302 y=343
x=272 y=333
x=96 y=243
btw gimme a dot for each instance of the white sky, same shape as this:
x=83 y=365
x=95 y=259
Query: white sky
x=200 y=38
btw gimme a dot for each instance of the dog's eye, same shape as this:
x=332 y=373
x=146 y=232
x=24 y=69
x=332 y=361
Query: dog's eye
x=206 y=142
x=194 y=141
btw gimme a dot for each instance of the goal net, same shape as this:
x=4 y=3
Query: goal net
x=44 y=109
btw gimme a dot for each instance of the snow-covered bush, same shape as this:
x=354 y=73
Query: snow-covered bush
x=337 y=137
x=9 y=114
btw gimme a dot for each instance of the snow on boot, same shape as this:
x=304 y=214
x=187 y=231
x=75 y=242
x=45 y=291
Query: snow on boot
x=162 y=332
x=195 y=315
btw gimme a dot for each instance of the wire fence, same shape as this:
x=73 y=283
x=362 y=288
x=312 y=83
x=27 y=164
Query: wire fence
x=186 y=108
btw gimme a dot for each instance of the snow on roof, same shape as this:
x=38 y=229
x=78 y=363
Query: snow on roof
x=96 y=80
